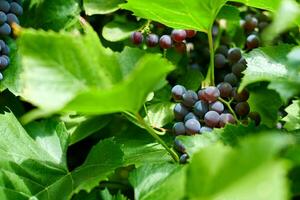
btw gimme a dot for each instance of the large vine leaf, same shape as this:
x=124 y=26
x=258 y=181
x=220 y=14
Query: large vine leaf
x=76 y=68
x=292 y=120
x=246 y=172
x=271 y=5
x=92 y=7
x=193 y=14
x=54 y=14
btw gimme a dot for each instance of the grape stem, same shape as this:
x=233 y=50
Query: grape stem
x=227 y=103
x=152 y=132
x=210 y=76
x=146 y=27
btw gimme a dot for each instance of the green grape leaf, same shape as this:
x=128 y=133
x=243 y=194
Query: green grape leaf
x=54 y=15
x=119 y=29
x=248 y=171
x=230 y=13
x=191 y=79
x=267 y=103
x=158 y=181
x=93 y=7
x=271 y=5
x=160 y=114
x=292 y=120
x=179 y=14
x=79 y=69
x=107 y=196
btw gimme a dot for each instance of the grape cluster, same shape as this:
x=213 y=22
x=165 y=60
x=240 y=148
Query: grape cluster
x=177 y=39
x=9 y=12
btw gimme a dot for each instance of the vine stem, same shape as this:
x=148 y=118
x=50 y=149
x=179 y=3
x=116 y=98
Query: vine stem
x=156 y=137
x=227 y=103
x=210 y=77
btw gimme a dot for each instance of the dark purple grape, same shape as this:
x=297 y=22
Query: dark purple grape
x=179 y=146
x=250 y=23
x=205 y=129
x=4 y=62
x=4 y=6
x=137 y=38
x=180 y=111
x=225 y=89
x=242 y=96
x=189 y=98
x=220 y=61
x=3 y=17
x=16 y=9
x=222 y=49
x=238 y=68
x=231 y=79
x=183 y=158
x=226 y=118
x=255 y=117
x=180 y=47
x=5 y=29
x=242 y=108
x=216 y=106
x=12 y=18
x=5 y=50
x=189 y=116
x=178 y=35
x=200 y=108
x=201 y=95
x=212 y=119
x=152 y=40
x=177 y=92
x=190 y=33
x=211 y=94
x=252 y=41
x=179 y=128
x=165 y=42
x=192 y=127
x=234 y=55
x=7 y=58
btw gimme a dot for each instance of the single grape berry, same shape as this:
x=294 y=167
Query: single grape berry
x=137 y=38
x=1 y=76
x=250 y=23
x=242 y=108
x=16 y=9
x=4 y=6
x=212 y=119
x=179 y=146
x=5 y=29
x=178 y=35
x=5 y=50
x=255 y=117
x=211 y=94
x=242 y=96
x=165 y=42
x=201 y=95
x=190 y=33
x=238 y=68
x=252 y=41
x=200 y=108
x=216 y=106
x=179 y=128
x=189 y=98
x=225 y=89
x=4 y=62
x=152 y=40
x=222 y=49
x=231 y=79
x=12 y=18
x=220 y=61
x=180 y=47
x=205 y=129
x=226 y=118
x=234 y=55
x=189 y=116
x=180 y=111
x=183 y=158
x=192 y=126
x=177 y=92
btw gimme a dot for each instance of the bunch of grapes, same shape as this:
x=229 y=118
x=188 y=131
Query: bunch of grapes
x=9 y=13
x=176 y=39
